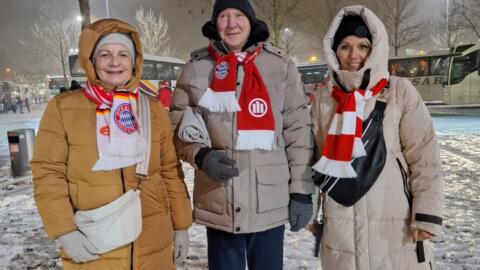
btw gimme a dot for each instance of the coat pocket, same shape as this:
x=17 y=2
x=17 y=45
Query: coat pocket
x=209 y=195
x=272 y=187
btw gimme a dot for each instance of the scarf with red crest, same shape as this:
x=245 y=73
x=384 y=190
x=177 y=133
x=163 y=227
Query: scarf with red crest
x=344 y=138
x=119 y=141
x=255 y=121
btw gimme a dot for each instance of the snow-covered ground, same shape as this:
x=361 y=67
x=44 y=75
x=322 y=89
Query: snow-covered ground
x=23 y=244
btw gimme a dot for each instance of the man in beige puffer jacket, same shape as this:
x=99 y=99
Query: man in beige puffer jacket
x=244 y=195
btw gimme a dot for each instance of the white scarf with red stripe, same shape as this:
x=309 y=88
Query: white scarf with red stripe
x=118 y=131
x=344 y=138
x=255 y=121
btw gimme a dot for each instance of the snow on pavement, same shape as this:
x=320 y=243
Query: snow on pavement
x=23 y=244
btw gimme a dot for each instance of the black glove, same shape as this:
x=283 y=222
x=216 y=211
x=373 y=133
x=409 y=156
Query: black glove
x=300 y=211
x=215 y=164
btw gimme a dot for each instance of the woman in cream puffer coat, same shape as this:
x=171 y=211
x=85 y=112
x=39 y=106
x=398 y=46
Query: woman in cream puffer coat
x=404 y=205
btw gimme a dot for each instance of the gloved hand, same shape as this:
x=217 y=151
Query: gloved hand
x=215 y=164
x=300 y=211
x=78 y=247
x=181 y=243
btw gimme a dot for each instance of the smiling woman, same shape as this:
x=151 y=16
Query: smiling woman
x=113 y=63
x=89 y=147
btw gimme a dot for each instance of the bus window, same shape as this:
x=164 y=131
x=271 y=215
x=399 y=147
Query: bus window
x=164 y=71
x=74 y=65
x=409 y=67
x=438 y=65
x=463 y=66
x=177 y=70
x=149 y=70
x=422 y=67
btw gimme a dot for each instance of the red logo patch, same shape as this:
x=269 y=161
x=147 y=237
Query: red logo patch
x=257 y=107
x=124 y=118
x=105 y=131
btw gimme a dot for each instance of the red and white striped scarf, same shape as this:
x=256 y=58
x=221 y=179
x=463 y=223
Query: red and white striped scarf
x=118 y=131
x=255 y=121
x=344 y=138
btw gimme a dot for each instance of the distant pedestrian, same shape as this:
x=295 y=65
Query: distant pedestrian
x=20 y=104
x=164 y=93
x=13 y=105
x=26 y=103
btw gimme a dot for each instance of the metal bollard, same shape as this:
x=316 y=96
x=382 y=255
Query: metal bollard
x=20 y=144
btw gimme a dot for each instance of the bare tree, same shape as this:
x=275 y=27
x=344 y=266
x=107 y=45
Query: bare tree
x=320 y=16
x=467 y=13
x=154 y=33
x=288 y=39
x=447 y=31
x=445 y=36
x=84 y=12
x=278 y=14
x=399 y=17
x=196 y=8
x=56 y=37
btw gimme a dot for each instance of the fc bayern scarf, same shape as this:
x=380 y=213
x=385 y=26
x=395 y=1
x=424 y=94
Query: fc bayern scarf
x=119 y=141
x=344 y=138
x=255 y=121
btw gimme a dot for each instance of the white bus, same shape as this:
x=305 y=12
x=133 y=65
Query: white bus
x=155 y=69
x=445 y=77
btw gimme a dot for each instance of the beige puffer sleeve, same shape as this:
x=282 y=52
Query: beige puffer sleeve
x=49 y=170
x=171 y=171
x=297 y=133
x=180 y=101
x=422 y=154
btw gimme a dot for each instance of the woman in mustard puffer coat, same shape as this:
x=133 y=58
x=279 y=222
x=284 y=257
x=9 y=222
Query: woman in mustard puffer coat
x=85 y=157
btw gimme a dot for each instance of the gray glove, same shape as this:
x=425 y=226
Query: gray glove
x=215 y=164
x=181 y=244
x=300 y=211
x=78 y=247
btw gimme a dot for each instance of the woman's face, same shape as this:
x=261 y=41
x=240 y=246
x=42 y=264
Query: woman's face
x=113 y=64
x=352 y=52
x=233 y=27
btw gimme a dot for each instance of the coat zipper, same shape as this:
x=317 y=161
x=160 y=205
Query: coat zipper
x=406 y=186
x=131 y=245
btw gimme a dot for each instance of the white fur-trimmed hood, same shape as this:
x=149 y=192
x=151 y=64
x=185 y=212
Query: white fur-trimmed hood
x=377 y=61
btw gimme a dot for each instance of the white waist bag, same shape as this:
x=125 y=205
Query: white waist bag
x=119 y=222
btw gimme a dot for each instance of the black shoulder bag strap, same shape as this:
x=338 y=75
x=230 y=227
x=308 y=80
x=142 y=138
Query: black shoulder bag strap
x=347 y=191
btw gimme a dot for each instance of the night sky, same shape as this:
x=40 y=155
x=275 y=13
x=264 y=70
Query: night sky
x=18 y=16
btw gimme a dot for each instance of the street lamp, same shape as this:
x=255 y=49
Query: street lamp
x=313 y=58
x=108 y=11
x=11 y=73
